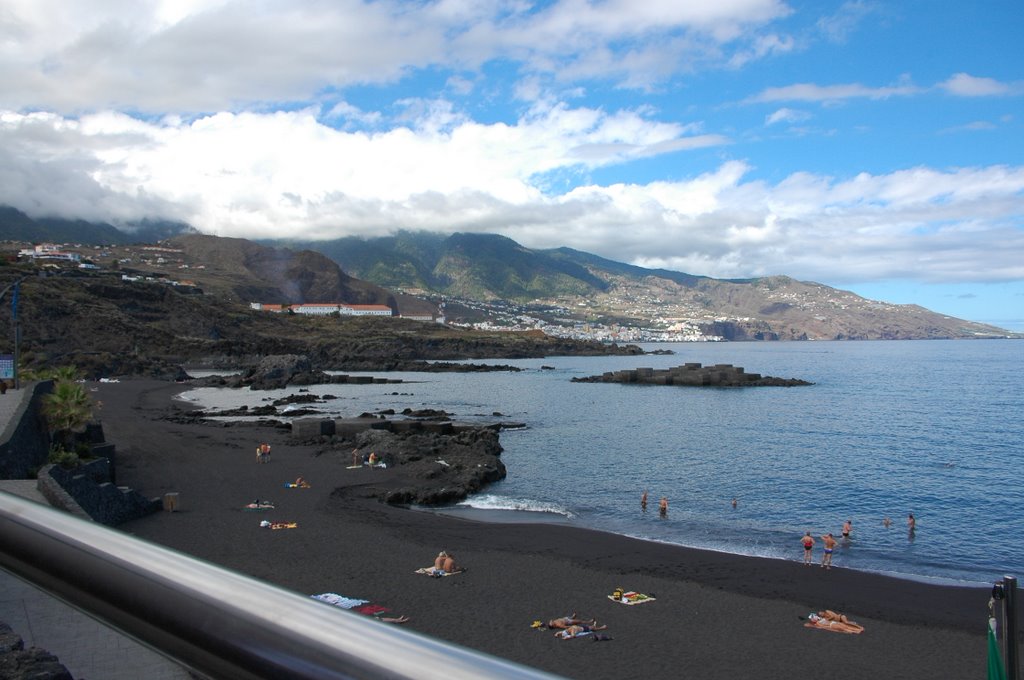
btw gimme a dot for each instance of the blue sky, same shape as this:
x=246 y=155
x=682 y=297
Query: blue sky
x=876 y=147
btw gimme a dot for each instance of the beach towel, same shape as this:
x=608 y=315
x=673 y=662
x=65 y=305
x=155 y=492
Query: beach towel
x=340 y=600
x=293 y=485
x=279 y=525
x=438 y=573
x=568 y=634
x=364 y=607
x=257 y=507
x=631 y=597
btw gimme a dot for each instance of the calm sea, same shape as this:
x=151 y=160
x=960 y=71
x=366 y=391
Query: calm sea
x=888 y=428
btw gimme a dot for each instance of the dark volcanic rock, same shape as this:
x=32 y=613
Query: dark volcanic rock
x=18 y=663
x=436 y=466
x=277 y=371
x=429 y=413
x=695 y=375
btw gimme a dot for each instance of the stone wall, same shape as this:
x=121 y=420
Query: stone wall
x=91 y=491
x=25 y=441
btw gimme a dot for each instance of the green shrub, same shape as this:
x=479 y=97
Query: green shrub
x=65 y=459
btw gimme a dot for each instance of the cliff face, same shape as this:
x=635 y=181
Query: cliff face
x=244 y=271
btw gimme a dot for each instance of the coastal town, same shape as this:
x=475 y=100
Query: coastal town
x=628 y=309
x=165 y=265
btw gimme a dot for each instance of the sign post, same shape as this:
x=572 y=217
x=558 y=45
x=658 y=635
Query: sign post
x=17 y=332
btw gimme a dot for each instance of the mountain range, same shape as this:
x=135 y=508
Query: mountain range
x=493 y=281
x=492 y=275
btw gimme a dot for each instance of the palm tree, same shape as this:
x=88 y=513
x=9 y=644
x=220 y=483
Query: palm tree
x=67 y=409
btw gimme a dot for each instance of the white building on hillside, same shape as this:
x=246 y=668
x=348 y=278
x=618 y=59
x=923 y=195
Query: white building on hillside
x=325 y=309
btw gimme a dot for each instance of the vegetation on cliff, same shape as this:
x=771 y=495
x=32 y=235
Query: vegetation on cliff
x=105 y=327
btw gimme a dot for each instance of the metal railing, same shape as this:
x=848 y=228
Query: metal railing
x=213 y=621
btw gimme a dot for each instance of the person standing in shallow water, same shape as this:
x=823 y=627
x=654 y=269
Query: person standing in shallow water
x=808 y=543
x=643 y=501
x=830 y=545
x=847 y=529
x=663 y=507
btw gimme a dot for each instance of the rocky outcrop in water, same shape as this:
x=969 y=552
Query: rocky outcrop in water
x=426 y=462
x=694 y=375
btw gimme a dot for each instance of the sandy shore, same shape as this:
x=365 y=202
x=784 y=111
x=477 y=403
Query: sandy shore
x=716 y=615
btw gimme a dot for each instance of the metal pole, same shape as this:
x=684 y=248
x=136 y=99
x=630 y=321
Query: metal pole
x=215 y=621
x=1010 y=627
x=17 y=353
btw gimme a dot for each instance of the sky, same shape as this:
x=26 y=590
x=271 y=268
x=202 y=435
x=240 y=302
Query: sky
x=872 y=146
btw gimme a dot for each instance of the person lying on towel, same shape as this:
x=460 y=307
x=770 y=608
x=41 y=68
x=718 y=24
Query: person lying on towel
x=571 y=620
x=830 y=620
x=577 y=630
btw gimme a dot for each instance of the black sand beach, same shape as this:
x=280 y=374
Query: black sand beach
x=716 y=615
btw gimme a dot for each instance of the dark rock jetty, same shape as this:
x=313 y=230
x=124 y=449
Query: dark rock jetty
x=694 y=375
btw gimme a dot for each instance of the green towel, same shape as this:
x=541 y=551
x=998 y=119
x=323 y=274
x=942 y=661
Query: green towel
x=996 y=670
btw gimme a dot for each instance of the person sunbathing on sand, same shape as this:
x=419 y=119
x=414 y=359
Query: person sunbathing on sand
x=576 y=630
x=439 y=560
x=567 y=621
x=830 y=620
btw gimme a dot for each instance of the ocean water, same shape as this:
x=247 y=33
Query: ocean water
x=888 y=428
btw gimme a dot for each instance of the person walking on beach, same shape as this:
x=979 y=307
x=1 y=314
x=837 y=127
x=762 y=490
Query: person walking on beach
x=808 y=543
x=663 y=506
x=643 y=501
x=830 y=545
x=847 y=529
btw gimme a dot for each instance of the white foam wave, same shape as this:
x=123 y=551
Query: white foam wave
x=492 y=502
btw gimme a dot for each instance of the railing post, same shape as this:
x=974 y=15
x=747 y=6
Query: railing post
x=1010 y=627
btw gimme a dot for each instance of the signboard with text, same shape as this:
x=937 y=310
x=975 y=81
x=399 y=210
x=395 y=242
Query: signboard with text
x=6 y=366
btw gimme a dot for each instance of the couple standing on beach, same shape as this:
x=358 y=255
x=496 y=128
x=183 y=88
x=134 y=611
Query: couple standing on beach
x=830 y=545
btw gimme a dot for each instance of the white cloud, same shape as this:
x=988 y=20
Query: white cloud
x=197 y=56
x=263 y=175
x=810 y=92
x=965 y=85
x=785 y=115
x=838 y=27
